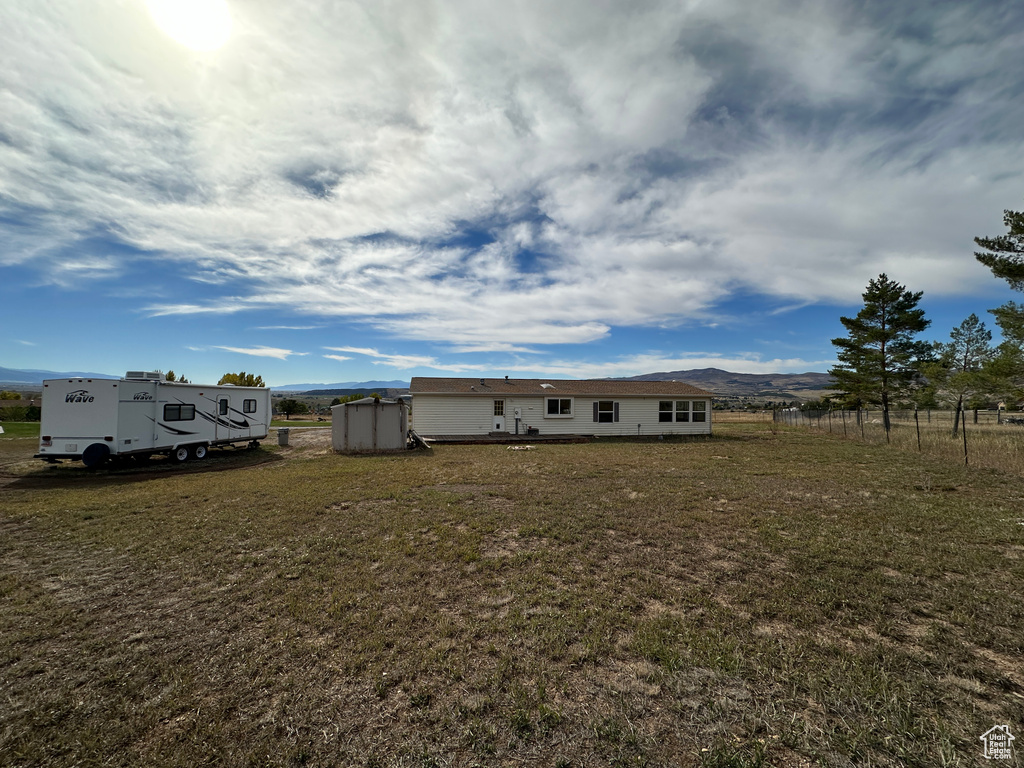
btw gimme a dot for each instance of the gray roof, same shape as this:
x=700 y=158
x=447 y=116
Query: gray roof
x=369 y=401
x=423 y=385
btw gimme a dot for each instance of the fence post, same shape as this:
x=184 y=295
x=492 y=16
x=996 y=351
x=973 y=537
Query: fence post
x=843 y=414
x=975 y=415
x=860 y=418
x=929 y=415
x=917 y=424
x=963 y=428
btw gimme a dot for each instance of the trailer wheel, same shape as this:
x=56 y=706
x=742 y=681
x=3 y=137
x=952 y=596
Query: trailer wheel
x=180 y=455
x=95 y=455
x=199 y=452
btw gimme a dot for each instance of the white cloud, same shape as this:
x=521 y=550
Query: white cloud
x=279 y=354
x=287 y=327
x=634 y=164
x=402 y=361
x=407 y=362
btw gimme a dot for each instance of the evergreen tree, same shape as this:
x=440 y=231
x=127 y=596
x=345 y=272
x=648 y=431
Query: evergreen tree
x=1005 y=253
x=961 y=370
x=879 y=360
x=1005 y=257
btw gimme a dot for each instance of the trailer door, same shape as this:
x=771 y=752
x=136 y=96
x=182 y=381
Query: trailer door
x=137 y=416
x=232 y=421
x=223 y=418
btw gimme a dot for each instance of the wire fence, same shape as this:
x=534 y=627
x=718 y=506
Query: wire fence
x=983 y=438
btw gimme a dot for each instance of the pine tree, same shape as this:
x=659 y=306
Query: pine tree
x=1005 y=257
x=961 y=368
x=1007 y=261
x=879 y=360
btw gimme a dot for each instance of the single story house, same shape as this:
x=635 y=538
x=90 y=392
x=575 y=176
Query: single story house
x=443 y=406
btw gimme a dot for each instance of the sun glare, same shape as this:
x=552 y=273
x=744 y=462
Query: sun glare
x=202 y=25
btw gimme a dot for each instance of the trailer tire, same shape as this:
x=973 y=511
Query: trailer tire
x=180 y=455
x=199 y=452
x=95 y=455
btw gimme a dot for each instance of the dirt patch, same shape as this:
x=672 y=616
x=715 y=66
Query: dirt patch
x=509 y=543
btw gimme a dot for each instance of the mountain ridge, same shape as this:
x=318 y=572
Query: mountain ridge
x=807 y=385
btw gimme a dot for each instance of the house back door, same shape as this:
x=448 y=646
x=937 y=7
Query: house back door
x=499 y=416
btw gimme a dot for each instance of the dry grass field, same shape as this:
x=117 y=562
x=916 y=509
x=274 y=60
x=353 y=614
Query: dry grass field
x=745 y=417
x=989 y=444
x=766 y=596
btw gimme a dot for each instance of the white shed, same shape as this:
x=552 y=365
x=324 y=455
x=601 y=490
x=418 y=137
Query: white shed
x=370 y=424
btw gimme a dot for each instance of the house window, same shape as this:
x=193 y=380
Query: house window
x=558 y=407
x=606 y=411
x=248 y=406
x=683 y=410
x=499 y=407
x=699 y=410
x=179 y=413
x=222 y=407
x=665 y=410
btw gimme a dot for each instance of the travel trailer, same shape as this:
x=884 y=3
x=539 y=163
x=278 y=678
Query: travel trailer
x=143 y=414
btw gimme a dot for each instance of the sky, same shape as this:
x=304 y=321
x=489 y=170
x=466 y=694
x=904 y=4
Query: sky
x=328 y=191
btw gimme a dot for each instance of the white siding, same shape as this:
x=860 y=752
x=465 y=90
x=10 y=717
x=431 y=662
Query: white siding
x=472 y=414
x=453 y=414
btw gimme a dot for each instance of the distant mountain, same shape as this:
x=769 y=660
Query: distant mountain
x=14 y=377
x=795 y=386
x=343 y=385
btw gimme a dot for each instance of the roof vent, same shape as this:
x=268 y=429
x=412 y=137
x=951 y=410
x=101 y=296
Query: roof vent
x=481 y=382
x=144 y=375
x=506 y=377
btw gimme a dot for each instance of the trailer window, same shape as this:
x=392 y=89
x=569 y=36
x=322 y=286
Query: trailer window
x=222 y=407
x=248 y=406
x=179 y=413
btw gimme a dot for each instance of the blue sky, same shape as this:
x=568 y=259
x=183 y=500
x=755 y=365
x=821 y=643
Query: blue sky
x=344 y=191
